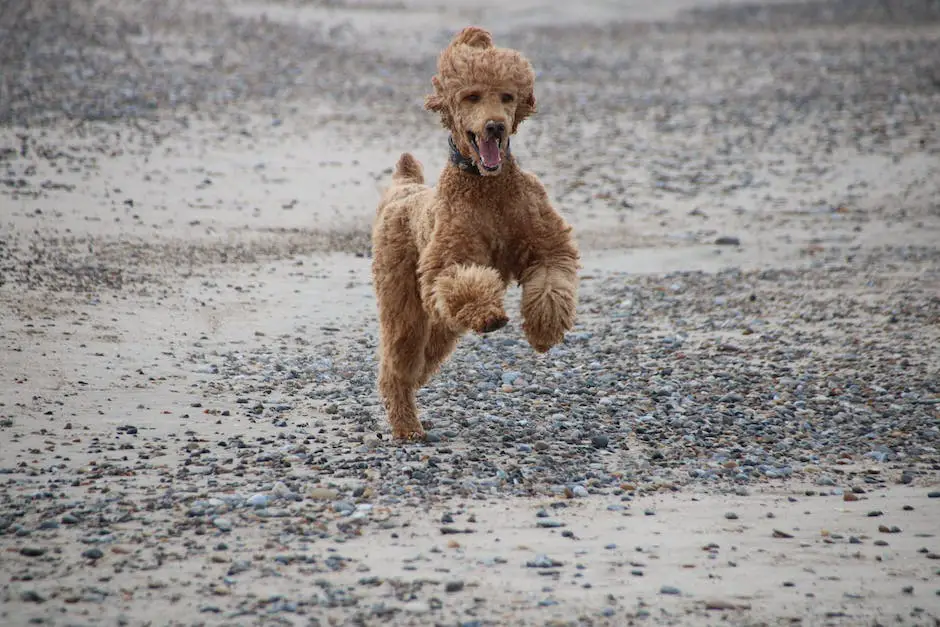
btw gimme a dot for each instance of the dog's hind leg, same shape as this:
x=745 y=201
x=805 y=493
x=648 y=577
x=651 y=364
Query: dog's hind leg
x=403 y=334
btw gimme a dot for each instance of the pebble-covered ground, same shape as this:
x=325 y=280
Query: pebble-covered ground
x=744 y=427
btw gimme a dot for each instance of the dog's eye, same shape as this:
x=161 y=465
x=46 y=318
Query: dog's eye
x=507 y=98
x=472 y=97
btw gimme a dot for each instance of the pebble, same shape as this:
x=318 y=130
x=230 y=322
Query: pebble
x=543 y=561
x=453 y=586
x=93 y=553
x=731 y=516
x=258 y=500
x=344 y=507
x=239 y=566
x=417 y=607
x=322 y=494
x=32 y=551
x=669 y=590
x=600 y=441
x=222 y=524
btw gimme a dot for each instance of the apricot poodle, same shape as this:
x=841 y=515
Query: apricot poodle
x=444 y=256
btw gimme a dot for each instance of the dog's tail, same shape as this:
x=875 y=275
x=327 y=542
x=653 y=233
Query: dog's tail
x=408 y=170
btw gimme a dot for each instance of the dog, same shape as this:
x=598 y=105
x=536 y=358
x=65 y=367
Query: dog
x=444 y=256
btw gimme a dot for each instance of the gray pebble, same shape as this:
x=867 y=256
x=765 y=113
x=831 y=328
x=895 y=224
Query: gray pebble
x=258 y=500
x=222 y=524
x=344 y=507
x=239 y=566
x=543 y=561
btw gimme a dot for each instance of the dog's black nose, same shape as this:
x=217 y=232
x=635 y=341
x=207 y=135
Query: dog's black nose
x=495 y=128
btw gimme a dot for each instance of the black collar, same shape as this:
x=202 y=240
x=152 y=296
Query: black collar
x=465 y=164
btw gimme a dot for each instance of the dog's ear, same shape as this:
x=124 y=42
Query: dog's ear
x=524 y=109
x=473 y=36
x=435 y=102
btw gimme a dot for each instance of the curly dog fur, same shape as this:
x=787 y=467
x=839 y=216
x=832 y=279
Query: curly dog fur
x=444 y=256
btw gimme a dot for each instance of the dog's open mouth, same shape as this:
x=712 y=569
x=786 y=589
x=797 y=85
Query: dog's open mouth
x=488 y=151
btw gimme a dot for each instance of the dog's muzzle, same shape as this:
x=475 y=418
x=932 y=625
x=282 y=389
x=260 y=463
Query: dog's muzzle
x=488 y=145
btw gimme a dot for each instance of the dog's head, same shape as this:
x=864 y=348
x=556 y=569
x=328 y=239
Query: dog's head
x=482 y=94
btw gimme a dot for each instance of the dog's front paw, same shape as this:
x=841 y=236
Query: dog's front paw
x=491 y=323
x=542 y=339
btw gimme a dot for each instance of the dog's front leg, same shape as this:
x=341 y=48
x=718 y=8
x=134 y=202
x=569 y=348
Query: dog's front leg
x=458 y=287
x=550 y=288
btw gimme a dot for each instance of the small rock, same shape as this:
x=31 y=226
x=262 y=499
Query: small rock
x=781 y=534
x=258 y=500
x=417 y=607
x=343 y=507
x=93 y=554
x=669 y=590
x=719 y=604
x=543 y=561
x=322 y=494
x=222 y=524
x=600 y=441
x=32 y=551
x=453 y=586
x=731 y=516
x=727 y=240
x=238 y=567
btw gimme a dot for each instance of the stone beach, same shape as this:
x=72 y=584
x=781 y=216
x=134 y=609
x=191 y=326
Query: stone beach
x=742 y=429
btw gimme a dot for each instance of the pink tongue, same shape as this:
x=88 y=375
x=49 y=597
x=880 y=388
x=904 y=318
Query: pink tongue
x=489 y=152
